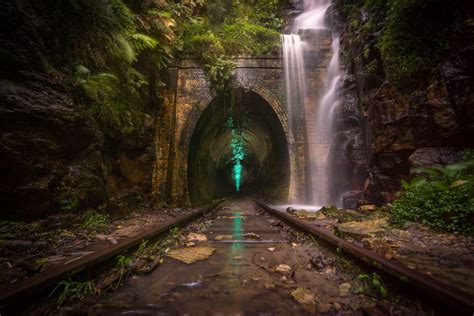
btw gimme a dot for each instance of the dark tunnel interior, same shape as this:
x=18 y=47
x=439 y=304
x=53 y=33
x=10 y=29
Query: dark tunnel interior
x=265 y=168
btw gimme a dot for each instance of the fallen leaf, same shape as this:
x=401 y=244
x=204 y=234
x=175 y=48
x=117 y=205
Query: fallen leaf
x=196 y=237
x=306 y=298
x=223 y=237
x=457 y=183
x=192 y=254
x=283 y=268
x=368 y=207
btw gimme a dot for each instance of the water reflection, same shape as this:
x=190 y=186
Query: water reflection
x=236 y=233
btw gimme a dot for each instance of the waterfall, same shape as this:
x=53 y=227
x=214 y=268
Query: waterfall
x=313 y=16
x=322 y=122
x=325 y=130
x=295 y=77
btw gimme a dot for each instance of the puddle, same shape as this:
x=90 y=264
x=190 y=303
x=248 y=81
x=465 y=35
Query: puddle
x=193 y=284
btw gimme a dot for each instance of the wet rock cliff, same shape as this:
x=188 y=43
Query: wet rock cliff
x=403 y=106
x=57 y=152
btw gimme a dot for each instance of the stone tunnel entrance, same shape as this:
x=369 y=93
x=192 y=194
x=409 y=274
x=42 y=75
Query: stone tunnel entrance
x=266 y=166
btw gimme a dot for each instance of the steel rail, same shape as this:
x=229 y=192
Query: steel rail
x=20 y=293
x=448 y=297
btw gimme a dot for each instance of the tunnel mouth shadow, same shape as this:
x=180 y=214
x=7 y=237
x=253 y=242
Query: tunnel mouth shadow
x=265 y=167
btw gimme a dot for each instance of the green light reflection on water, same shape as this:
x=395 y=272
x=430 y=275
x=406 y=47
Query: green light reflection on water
x=237 y=232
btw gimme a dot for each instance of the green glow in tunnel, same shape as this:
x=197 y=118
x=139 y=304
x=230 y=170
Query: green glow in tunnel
x=238 y=153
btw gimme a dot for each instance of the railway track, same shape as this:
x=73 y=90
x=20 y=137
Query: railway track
x=254 y=260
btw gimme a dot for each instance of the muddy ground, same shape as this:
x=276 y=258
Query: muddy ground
x=448 y=257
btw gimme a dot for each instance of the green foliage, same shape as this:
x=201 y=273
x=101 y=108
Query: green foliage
x=208 y=46
x=441 y=197
x=220 y=73
x=174 y=233
x=94 y=219
x=225 y=28
x=371 y=282
x=407 y=37
x=415 y=37
x=245 y=37
x=73 y=290
x=122 y=262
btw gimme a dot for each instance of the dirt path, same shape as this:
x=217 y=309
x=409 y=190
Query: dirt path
x=259 y=266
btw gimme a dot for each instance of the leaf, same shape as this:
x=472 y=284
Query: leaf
x=191 y=254
x=283 y=268
x=140 y=42
x=457 y=183
x=196 y=237
x=223 y=237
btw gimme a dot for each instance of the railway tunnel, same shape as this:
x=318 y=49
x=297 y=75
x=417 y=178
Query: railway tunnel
x=265 y=167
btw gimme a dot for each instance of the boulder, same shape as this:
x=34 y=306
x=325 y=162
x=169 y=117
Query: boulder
x=351 y=199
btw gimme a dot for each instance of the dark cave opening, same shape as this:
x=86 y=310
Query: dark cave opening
x=266 y=166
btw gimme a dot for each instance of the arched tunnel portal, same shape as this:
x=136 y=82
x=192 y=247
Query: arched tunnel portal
x=266 y=165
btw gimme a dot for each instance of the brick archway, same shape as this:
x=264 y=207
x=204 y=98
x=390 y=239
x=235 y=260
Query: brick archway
x=277 y=107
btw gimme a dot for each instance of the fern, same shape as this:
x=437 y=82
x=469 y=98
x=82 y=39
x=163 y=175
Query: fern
x=124 y=50
x=140 y=42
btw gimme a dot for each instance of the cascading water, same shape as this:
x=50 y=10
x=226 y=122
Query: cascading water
x=295 y=77
x=320 y=125
x=325 y=129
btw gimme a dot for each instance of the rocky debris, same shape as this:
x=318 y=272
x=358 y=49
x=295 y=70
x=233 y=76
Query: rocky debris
x=443 y=255
x=362 y=229
x=306 y=298
x=383 y=246
x=319 y=261
x=64 y=238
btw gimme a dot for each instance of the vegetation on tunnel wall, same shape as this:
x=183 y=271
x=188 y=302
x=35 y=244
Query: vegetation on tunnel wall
x=222 y=29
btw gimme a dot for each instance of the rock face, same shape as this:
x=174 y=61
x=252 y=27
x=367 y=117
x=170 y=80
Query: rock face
x=385 y=129
x=53 y=156
x=422 y=128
